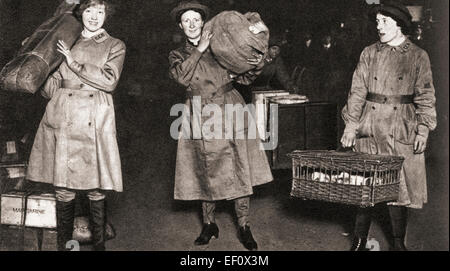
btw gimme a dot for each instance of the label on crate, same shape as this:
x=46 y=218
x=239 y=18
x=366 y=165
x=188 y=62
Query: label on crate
x=40 y=212
x=10 y=147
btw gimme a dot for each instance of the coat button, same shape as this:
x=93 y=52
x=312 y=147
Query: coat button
x=81 y=85
x=395 y=107
x=373 y=107
x=90 y=124
x=70 y=94
x=375 y=78
x=92 y=95
x=400 y=78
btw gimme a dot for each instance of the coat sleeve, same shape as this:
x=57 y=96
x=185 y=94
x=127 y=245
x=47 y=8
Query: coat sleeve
x=424 y=93
x=352 y=111
x=52 y=84
x=104 y=77
x=182 y=70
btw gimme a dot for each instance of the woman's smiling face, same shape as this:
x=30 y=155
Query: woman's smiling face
x=94 y=17
x=192 y=24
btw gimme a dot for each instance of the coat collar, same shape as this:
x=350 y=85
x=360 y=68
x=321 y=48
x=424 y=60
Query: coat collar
x=190 y=45
x=403 y=47
x=100 y=37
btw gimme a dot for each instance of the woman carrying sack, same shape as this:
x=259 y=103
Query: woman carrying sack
x=215 y=169
x=75 y=146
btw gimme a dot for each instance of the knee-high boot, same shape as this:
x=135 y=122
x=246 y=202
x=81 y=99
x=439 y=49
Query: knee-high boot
x=97 y=218
x=65 y=214
x=362 y=225
x=399 y=218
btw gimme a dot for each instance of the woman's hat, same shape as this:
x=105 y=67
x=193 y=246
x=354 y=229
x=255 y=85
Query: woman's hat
x=188 y=5
x=396 y=9
x=275 y=40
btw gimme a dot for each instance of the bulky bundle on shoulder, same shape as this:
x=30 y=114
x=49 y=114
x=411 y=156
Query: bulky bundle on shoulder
x=233 y=43
x=38 y=57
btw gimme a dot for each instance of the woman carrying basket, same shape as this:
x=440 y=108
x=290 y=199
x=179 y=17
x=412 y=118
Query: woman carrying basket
x=390 y=110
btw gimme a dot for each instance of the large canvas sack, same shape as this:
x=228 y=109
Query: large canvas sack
x=233 y=43
x=39 y=56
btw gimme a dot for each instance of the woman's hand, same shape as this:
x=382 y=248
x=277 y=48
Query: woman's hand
x=64 y=49
x=204 y=41
x=256 y=60
x=258 y=28
x=420 y=142
x=348 y=140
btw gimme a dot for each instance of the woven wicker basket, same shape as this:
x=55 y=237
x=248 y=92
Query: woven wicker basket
x=345 y=177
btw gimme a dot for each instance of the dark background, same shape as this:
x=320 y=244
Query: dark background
x=145 y=93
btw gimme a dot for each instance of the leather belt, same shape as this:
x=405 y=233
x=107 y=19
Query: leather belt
x=219 y=92
x=389 y=99
x=73 y=84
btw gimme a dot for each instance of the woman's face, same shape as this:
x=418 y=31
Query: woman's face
x=274 y=51
x=192 y=24
x=94 y=17
x=388 y=30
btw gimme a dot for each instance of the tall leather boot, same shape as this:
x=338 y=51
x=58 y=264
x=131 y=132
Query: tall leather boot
x=65 y=214
x=97 y=218
x=399 y=217
x=362 y=225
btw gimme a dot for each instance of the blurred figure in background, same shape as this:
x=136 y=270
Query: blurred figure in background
x=274 y=74
x=304 y=73
x=330 y=71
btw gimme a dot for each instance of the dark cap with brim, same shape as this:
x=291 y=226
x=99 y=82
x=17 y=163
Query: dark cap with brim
x=184 y=6
x=396 y=9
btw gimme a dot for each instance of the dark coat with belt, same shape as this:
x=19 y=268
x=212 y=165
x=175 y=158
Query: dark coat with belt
x=392 y=128
x=214 y=169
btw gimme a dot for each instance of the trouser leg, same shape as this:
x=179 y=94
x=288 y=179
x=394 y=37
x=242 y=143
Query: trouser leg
x=210 y=228
x=242 y=207
x=362 y=226
x=362 y=222
x=208 y=210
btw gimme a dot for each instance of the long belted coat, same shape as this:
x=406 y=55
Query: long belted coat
x=214 y=169
x=75 y=146
x=392 y=128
